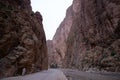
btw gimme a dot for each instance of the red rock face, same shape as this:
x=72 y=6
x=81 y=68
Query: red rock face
x=59 y=39
x=22 y=39
x=54 y=58
x=93 y=41
x=50 y=52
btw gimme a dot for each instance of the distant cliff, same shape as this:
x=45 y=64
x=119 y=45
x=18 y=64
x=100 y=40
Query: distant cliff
x=22 y=39
x=60 y=37
x=94 y=38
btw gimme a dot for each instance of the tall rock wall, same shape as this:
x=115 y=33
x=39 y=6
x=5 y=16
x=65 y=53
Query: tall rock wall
x=22 y=39
x=94 y=38
x=54 y=58
x=51 y=54
x=60 y=37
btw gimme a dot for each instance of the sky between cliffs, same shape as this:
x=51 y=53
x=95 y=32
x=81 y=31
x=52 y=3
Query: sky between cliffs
x=53 y=13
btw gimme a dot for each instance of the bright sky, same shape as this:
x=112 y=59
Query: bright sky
x=53 y=12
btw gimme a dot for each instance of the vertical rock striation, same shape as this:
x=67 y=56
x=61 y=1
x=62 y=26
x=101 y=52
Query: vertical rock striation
x=51 y=54
x=94 y=38
x=22 y=39
x=60 y=37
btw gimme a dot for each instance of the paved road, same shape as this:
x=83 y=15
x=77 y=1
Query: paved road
x=51 y=74
x=79 y=75
x=57 y=74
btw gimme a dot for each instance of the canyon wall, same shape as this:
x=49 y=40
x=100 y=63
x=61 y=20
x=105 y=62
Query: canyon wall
x=22 y=39
x=60 y=37
x=54 y=58
x=94 y=37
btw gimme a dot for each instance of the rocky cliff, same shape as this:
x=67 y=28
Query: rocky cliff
x=22 y=39
x=60 y=37
x=94 y=38
x=51 y=54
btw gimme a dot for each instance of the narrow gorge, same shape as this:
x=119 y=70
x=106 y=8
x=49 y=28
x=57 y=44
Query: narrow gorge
x=86 y=45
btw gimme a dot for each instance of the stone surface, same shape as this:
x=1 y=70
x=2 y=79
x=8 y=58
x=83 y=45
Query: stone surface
x=22 y=39
x=59 y=39
x=51 y=54
x=93 y=40
x=54 y=58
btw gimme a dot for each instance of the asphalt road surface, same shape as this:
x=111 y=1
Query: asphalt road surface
x=61 y=74
x=79 y=75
